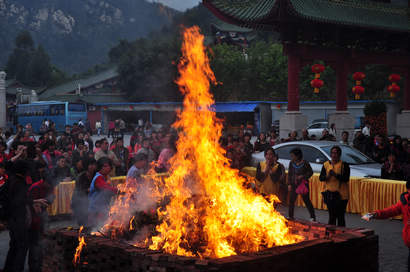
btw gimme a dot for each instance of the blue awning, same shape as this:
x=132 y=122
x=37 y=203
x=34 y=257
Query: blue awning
x=235 y=107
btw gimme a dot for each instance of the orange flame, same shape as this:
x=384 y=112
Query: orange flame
x=131 y=224
x=210 y=212
x=81 y=244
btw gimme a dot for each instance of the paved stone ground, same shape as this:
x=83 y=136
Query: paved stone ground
x=392 y=252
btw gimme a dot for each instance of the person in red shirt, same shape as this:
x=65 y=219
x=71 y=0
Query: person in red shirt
x=400 y=208
x=50 y=155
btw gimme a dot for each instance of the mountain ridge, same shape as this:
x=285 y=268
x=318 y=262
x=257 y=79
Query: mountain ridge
x=78 y=34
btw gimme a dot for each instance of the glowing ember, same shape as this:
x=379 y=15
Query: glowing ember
x=210 y=213
x=81 y=244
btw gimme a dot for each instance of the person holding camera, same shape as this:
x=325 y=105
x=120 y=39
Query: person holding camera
x=336 y=174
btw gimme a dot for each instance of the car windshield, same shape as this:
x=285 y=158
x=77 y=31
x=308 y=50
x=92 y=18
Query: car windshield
x=350 y=155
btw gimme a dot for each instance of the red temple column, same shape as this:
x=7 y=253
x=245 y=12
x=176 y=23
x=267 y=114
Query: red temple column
x=406 y=95
x=342 y=71
x=403 y=119
x=293 y=81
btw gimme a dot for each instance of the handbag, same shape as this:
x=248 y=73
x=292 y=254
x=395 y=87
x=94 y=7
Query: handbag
x=302 y=189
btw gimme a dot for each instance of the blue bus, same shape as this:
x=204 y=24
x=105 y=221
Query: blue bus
x=61 y=113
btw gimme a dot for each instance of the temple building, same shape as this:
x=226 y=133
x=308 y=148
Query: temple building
x=347 y=35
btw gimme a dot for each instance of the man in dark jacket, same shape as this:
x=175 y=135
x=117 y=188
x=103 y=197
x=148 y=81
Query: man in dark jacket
x=22 y=208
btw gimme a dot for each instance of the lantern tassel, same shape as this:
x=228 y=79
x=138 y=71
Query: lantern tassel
x=316 y=90
x=392 y=94
x=358 y=82
x=317 y=75
x=357 y=96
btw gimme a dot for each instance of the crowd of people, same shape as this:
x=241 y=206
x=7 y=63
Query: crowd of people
x=31 y=166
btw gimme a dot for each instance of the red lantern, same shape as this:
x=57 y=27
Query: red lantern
x=357 y=90
x=394 y=78
x=105 y=107
x=358 y=77
x=316 y=84
x=131 y=107
x=317 y=69
x=393 y=89
x=278 y=106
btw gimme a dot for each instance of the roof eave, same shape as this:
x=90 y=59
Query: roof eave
x=256 y=25
x=293 y=10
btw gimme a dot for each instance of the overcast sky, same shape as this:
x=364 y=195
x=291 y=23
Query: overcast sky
x=179 y=4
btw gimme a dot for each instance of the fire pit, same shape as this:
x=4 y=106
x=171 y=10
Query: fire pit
x=325 y=248
x=204 y=215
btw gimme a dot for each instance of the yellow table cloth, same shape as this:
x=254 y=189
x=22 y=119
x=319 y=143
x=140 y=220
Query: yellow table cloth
x=64 y=192
x=366 y=194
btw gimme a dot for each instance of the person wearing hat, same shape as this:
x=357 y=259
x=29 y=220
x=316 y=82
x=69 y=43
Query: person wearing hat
x=139 y=166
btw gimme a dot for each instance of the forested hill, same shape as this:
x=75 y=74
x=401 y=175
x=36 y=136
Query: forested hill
x=78 y=34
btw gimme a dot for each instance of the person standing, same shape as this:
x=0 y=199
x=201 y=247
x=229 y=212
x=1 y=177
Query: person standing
x=299 y=172
x=100 y=193
x=50 y=155
x=402 y=207
x=270 y=175
x=139 y=166
x=122 y=128
x=366 y=129
x=123 y=156
x=332 y=130
x=147 y=150
x=105 y=152
x=345 y=138
x=111 y=127
x=41 y=189
x=21 y=208
x=98 y=127
x=261 y=144
x=336 y=174
x=391 y=169
x=79 y=201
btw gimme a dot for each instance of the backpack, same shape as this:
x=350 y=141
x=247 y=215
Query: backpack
x=4 y=200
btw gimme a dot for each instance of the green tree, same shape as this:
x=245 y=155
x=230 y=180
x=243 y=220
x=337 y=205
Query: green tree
x=31 y=66
x=39 y=69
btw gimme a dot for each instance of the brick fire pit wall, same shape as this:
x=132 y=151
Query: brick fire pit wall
x=326 y=248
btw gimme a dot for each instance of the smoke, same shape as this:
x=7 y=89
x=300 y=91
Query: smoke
x=133 y=208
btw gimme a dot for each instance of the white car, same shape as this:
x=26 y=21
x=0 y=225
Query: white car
x=317 y=128
x=317 y=152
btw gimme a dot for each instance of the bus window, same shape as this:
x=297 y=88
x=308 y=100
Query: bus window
x=57 y=109
x=76 y=107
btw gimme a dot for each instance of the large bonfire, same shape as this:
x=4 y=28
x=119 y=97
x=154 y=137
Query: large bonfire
x=208 y=211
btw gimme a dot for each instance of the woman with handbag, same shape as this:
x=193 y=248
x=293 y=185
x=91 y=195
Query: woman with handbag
x=336 y=174
x=270 y=175
x=299 y=172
